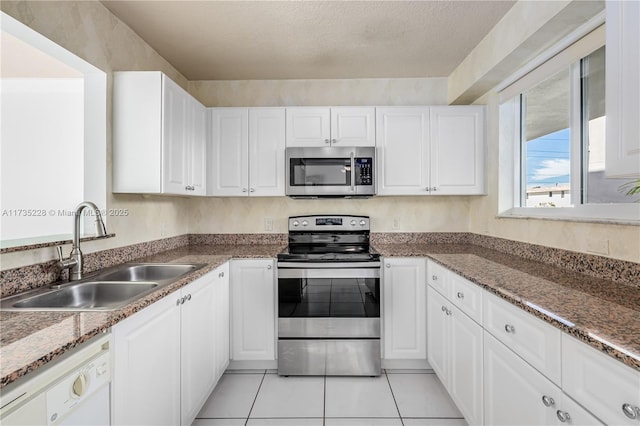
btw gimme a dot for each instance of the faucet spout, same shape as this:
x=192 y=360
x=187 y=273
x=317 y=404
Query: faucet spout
x=74 y=262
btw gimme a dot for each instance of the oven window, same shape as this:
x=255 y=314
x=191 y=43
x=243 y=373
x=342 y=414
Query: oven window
x=320 y=172
x=329 y=297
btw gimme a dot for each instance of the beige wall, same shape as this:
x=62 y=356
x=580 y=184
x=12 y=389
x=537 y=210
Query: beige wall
x=89 y=30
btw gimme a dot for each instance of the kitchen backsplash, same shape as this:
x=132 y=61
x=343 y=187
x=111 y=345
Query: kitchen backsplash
x=34 y=276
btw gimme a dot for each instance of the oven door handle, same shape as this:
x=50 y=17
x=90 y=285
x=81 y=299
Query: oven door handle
x=328 y=273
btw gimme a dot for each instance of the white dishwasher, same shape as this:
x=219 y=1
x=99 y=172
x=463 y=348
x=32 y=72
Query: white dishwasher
x=73 y=391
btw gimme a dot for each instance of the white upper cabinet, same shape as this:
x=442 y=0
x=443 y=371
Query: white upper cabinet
x=430 y=150
x=402 y=138
x=266 y=151
x=247 y=151
x=324 y=126
x=229 y=151
x=623 y=89
x=457 y=150
x=159 y=138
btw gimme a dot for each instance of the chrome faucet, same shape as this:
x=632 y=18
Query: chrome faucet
x=74 y=261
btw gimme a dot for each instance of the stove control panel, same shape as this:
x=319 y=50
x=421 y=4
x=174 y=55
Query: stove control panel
x=329 y=223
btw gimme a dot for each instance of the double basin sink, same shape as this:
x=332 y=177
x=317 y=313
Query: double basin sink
x=109 y=289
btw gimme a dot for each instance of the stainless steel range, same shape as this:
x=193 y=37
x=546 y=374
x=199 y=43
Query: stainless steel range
x=329 y=298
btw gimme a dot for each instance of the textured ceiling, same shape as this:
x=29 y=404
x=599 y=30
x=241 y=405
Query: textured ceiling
x=243 y=40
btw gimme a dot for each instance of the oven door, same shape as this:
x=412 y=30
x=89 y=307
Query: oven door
x=329 y=291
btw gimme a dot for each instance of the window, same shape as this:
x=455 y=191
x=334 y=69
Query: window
x=558 y=119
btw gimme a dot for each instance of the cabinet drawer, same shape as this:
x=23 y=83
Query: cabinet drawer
x=466 y=296
x=600 y=383
x=437 y=277
x=531 y=338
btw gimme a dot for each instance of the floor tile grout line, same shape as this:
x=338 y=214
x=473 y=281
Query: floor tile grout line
x=264 y=374
x=394 y=398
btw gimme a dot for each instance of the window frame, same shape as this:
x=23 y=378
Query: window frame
x=511 y=178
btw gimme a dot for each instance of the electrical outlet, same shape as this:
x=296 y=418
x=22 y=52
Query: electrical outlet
x=396 y=223
x=268 y=224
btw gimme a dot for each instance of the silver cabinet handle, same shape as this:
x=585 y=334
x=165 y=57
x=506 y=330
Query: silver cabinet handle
x=509 y=328
x=327 y=141
x=244 y=189
x=460 y=295
x=178 y=302
x=189 y=296
x=388 y=265
x=563 y=416
x=434 y=277
x=334 y=140
x=434 y=189
x=630 y=411
x=268 y=266
x=182 y=300
x=427 y=189
x=449 y=312
x=547 y=401
x=221 y=274
x=444 y=309
x=252 y=190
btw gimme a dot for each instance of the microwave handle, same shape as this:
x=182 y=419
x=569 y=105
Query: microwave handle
x=353 y=172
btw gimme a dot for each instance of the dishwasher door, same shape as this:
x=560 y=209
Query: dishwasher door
x=73 y=391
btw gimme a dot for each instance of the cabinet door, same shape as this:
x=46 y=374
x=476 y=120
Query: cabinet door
x=198 y=345
x=222 y=319
x=197 y=164
x=404 y=304
x=402 y=140
x=353 y=126
x=466 y=373
x=146 y=382
x=308 y=126
x=598 y=382
x=253 y=317
x=437 y=334
x=513 y=390
x=174 y=138
x=457 y=150
x=266 y=151
x=623 y=89
x=229 y=152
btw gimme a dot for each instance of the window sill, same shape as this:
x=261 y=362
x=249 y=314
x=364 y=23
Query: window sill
x=603 y=214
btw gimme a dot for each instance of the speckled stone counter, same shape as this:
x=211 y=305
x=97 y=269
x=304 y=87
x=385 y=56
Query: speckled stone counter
x=602 y=313
x=31 y=339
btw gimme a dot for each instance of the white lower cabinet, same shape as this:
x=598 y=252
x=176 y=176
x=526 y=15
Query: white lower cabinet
x=609 y=388
x=253 y=310
x=165 y=363
x=404 y=308
x=454 y=350
x=516 y=394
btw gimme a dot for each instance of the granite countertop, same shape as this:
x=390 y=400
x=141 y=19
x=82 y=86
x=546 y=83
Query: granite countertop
x=31 y=339
x=604 y=314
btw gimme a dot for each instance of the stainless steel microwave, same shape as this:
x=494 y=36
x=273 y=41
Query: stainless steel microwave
x=330 y=172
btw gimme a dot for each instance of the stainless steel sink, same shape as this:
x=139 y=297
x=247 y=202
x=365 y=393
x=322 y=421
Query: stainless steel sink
x=88 y=295
x=148 y=272
x=108 y=289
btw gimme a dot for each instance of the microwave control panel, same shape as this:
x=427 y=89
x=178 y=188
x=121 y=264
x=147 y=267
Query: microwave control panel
x=364 y=168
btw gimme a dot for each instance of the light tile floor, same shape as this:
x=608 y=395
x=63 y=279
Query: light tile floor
x=396 y=398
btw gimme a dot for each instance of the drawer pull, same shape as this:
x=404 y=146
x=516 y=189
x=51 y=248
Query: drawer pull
x=460 y=295
x=434 y=277
x=221 y=274
x=444 y=309
x=563 y=416
x=547 y=401
x=509 y=328
x=630 y=411
x=448 y=312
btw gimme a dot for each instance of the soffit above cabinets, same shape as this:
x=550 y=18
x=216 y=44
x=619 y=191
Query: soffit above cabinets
x=263 y=40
